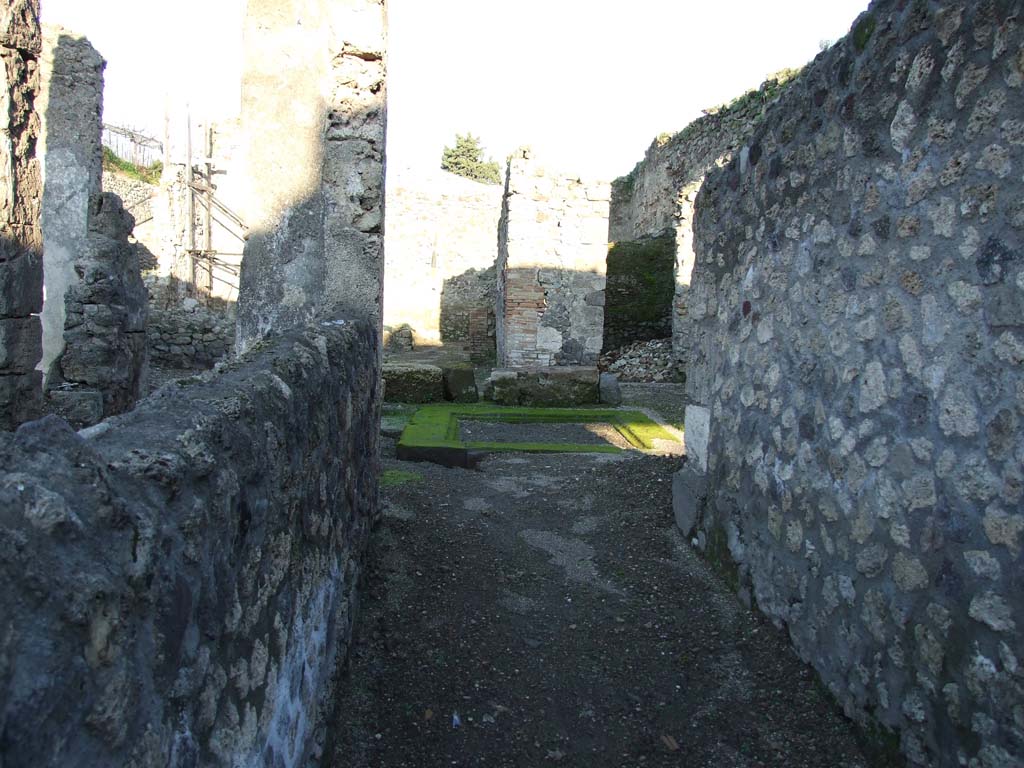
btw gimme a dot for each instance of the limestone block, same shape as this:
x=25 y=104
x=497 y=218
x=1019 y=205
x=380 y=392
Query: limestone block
x=545 y=387
x=460 y=385
x=689 y=495
x=610 y=393
x=412 y=383
x=696 y=435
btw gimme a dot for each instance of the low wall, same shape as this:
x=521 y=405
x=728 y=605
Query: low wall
x=858 y=300
x=188 y=335
x=180 y=581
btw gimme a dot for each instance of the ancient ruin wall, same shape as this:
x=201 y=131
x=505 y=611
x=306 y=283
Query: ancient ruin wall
x=552 y=247
x=180 y=581
x=21 y=260
x=859 y=302
x=655 y=202
x=441 y=247
x=70 y=108
x=313 y=111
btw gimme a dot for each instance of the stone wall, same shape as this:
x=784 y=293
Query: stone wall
x=21 y=241
x=180 y=581
x=639 y=293
x=187 y=335
x=70 y=108
x=858 y=299
x=313 y=115
x=442 y=238
x=657 y=196
x=136 y=195
x=552 y=247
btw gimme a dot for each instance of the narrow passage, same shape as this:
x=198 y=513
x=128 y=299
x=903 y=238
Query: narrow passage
x=544 y=610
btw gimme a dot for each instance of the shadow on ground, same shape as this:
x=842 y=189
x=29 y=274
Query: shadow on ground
x=545 y=610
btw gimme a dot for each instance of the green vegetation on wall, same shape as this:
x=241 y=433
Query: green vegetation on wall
x=639 y=290
x=148 y=174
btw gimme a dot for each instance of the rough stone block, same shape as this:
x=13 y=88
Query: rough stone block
x=544 y=387
x=412 y=383
x=610 y=393
x=21 y=283
x=460 y=385
x=689 y=495
x=19 y=25
x=20 y=344
x=21 y=397
x=696 y=435
x=79 y=407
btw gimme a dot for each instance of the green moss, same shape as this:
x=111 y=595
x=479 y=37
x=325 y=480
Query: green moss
x=393 y=477
x=881 y=744
x=862 y=32
x=437 y=426
x=641 y=282
x=149 y=175
x=718 y=555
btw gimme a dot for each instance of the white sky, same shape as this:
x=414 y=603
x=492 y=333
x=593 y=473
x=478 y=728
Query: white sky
x=587 y=83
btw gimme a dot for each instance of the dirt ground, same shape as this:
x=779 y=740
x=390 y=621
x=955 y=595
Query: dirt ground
x=543 y=609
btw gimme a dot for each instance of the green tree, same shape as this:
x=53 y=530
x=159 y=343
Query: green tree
x=466 y=159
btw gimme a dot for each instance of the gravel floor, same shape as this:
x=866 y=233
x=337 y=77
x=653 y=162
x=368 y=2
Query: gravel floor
x=544 y=610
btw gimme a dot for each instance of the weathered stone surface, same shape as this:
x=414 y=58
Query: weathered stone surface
x=460 y=385
x=609 y=391
x=553 y=387
x=689 y=496
x=413 y=383
x=183 y=583
x=79 y=407
x=71 y=120
x=855 y=311
x=21 y=266
x=696 y=434
x=552 y=246
x=189 y=335
x=105 y=313
x=316 y=211
x=20 y=338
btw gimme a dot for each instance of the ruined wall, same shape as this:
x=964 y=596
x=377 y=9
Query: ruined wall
x=442 y=238
x=21 y=242
x=859 y=303
x=552 y=247
x=639 y=291
x=313 y=111
x=181 y=580
x=188 y=335
x=70 y=108
x=138 y=198
x=656 y=199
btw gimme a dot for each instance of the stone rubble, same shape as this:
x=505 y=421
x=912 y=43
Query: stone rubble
x=644 y=361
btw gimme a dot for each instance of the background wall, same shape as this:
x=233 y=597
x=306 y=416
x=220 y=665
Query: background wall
x=440 y=249
x=552 y=248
